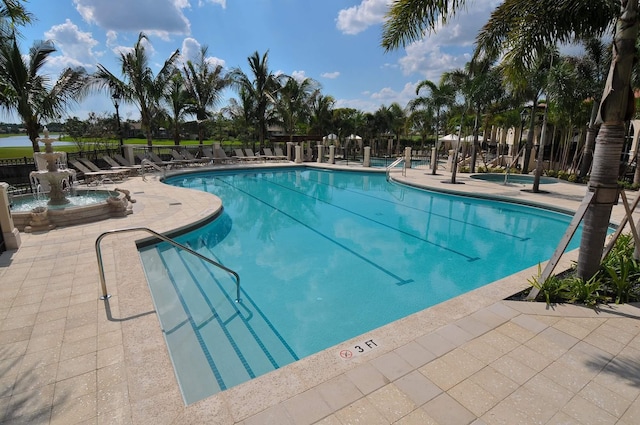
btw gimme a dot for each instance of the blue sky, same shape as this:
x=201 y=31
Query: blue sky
x=335 y=42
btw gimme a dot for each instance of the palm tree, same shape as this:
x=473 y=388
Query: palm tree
x=12 y=15
x=593 y=68
x=262 y=88
x=528 y=25
x=241 y=112
x=205 y=84
x=321 y=112
x=178 y=102
x=139 y=86
x=294 y=103
x=30 y=94
x=442 y=97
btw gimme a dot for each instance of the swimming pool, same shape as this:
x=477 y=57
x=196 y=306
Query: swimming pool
x=512 y=178
x=323 y=257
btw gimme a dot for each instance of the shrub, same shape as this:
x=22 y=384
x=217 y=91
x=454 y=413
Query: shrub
x=621 y=272
x=552 y=289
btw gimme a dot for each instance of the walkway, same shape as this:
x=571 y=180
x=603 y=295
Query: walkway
x=67 y=358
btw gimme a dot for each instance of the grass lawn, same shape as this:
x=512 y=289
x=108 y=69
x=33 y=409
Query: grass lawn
x=27 y=151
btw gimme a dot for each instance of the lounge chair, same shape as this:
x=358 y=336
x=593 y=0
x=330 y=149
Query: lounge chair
x=91 y=176
x=219 y=156
x=202 y=160
x=132 y=169
x=93 y=167
x=269 y=155
x=155 y=159
x=178 y=158
x=278 y=152
x=249 y=154
x=122 y=160
x=241 y=156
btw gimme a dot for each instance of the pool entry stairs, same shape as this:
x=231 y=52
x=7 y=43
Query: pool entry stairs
x=213 y=340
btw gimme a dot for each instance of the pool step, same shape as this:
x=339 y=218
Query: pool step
x=210 y=335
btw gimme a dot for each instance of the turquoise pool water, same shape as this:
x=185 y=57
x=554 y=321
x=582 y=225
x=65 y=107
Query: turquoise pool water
x=323 y=257
x=512 y=178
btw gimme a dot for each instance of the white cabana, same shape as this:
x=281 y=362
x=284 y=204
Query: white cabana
x=355 y=138
x=329 y=138
x=469 y=138
x=448 y=140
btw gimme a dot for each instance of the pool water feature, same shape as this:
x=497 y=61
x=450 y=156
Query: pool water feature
x=25 y=203
x=324 y=256
x=34 y=213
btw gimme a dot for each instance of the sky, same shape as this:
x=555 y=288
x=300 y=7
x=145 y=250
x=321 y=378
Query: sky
x=335 y=42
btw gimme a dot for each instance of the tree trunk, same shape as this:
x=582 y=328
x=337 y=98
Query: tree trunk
x=616 y=107
x=474 y=149
x=530 y=134
x=592 y=131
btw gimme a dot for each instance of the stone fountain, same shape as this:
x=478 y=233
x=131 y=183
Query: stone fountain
x=52 y=174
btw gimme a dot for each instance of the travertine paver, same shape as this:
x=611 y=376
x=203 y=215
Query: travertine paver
x=66 y=357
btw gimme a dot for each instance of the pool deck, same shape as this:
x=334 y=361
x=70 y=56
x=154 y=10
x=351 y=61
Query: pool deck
x=68 y=358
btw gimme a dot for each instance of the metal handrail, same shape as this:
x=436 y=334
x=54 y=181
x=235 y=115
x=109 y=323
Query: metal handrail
x=148 y=163
x=392 y=165
x=103 y=283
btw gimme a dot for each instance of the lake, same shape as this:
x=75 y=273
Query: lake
x=23 y=141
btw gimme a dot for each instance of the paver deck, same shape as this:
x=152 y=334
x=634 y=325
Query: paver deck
x=67 y=357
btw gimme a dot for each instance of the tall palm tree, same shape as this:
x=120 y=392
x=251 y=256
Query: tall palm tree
x=541 y=23
x=241 y=112
x=178 y=102
x=262 y=87
x=321 y=113
x=293 y=104
x=138 y=86
x=12 y=15
x=204 y=83
x=442 y=97
x=29 y=93
x=593 y=67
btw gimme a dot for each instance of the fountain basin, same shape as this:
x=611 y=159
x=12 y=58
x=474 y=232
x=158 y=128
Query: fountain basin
x=32 y=214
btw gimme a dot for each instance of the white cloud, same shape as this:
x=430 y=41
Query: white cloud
x=299 y=76
x=386 y=96
x=190 y=51
x=158 y=17
x=330 y=75
x=450 y=46
x=76 y=46
x=222 y=3
x=358 y=18
x=428 y=60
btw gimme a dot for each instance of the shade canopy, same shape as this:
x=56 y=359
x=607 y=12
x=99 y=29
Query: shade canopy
x=449 y=138
x=329 y=137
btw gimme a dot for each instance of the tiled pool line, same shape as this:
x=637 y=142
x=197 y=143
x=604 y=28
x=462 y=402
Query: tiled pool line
x=83 y=368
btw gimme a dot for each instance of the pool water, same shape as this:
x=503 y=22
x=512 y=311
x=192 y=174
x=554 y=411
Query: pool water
x=323 y=257
x=512 y=178
x=24 y=203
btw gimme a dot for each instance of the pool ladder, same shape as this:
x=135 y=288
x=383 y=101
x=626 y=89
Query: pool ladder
x=103 y=283
x=393 y=164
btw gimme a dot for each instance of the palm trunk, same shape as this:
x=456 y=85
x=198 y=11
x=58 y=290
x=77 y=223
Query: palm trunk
x=540 y=159
x=530 y=134
x=616 y=107
x=592 y=131
x=474 y=149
